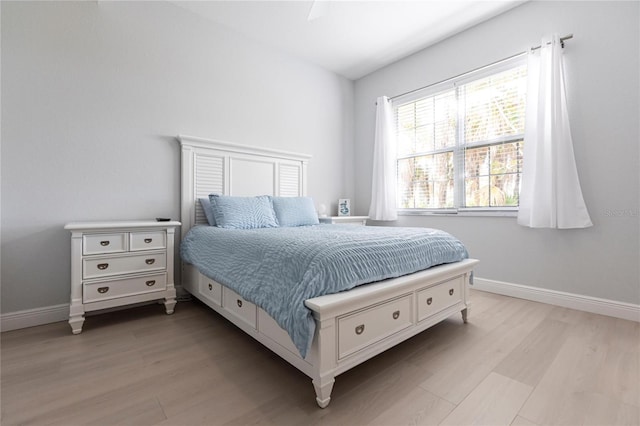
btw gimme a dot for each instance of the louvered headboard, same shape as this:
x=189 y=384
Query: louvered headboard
x=231 y=169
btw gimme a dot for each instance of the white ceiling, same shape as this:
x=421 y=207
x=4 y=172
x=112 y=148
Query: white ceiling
x=351 y=38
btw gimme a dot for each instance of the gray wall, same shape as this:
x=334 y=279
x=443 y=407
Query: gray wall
x=93 y=94
x=603 y=94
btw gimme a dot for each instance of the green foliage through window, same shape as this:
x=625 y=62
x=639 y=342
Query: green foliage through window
x=462 y=147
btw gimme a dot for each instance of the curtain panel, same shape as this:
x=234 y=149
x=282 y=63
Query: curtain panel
x=550 y=195
x=383 y=185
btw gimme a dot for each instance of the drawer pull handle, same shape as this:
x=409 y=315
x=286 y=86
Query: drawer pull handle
x=450 y=292
x=148 y=240
x=239 y=302
x=103 y=266
x=105 y=243
x=210 y=287
x=396 y=315
x=360 y=329
x=103 y=290
x=150 y=261
x=429 y=300
x=150 y=283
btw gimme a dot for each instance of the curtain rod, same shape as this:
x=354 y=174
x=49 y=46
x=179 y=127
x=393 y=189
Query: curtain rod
x=562 y=39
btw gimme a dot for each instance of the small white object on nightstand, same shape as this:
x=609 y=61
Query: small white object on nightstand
x=120 y=263
x=347 y=220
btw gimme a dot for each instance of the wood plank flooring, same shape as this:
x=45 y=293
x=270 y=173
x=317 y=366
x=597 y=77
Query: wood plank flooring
x=515 y=363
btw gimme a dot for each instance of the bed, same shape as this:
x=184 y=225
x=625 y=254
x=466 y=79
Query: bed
x=349 y=326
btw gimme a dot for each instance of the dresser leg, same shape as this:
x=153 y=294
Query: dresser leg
x=76 y=323
x=465 y=312
x=76 y=317
x=169 y=304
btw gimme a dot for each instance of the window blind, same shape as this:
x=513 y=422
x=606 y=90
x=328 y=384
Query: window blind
x=461 y=146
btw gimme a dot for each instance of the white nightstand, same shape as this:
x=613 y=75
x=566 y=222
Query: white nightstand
x=347 y=220
x=120 y=263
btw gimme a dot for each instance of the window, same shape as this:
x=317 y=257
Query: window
x=460 y=142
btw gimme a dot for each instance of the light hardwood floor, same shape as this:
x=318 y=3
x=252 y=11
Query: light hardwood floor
x=516 y=362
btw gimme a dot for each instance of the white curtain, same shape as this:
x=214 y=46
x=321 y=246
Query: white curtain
x=383 y=186
x=550 y=196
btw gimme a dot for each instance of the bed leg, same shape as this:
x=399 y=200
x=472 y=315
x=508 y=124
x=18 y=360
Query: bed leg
x=465 y=312
x=323 y=389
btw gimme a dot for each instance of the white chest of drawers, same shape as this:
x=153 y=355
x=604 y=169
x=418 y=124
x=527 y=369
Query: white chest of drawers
x=120 y=263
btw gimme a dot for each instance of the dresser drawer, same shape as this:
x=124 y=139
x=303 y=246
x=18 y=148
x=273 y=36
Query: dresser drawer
x=359 y=330
x=238 y=307
x=104 y=243
x=105 y=290
x=210 y=290
x=434 y=299
x=126 y=264
x=147 y=240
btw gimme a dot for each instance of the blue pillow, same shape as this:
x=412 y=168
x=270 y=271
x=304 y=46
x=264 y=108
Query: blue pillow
x=208 y=211
x=295 y=211
x=243 y=212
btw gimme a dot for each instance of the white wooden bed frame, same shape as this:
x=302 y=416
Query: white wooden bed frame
x=351 y=326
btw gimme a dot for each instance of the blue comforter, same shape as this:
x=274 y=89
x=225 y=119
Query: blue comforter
x=279 y=268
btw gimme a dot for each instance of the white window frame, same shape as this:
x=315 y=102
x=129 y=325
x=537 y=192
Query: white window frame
x=458 y=150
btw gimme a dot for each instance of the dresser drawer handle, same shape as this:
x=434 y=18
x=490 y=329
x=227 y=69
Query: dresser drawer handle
x=150 y=261
x=105 y=243
x=150 y=283
x=210 y=287
x=450 y=292
x=148 y=240
x=239 y=302
x=429 y=300
x=360 y=329
x=103 y=290
x=396 y=315
x=103 y=266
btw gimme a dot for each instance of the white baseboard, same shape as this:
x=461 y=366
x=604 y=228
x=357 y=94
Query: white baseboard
x=595 y=305
x=40 y=316
x=33 y=317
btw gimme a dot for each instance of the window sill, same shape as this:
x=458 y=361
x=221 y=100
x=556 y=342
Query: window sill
x=460 y=213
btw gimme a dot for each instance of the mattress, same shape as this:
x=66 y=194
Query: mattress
x=279 y=268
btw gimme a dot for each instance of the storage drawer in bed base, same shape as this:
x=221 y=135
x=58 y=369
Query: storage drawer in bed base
x=356 y=330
